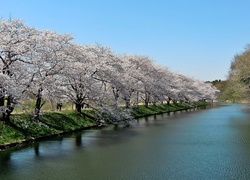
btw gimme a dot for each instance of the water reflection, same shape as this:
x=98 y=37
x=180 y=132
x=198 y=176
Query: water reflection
x=78 y=140
x=5 y=162
x=36 y=148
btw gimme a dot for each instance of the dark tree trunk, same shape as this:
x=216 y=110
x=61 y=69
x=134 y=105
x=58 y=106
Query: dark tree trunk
x=146 y=99
x=7 y=113
x=1 y=100
x=116 y=95
x=127 y=103
x=52 y=105
x=10 y=103
x=9 y=108
x=39 y=104
x=168 y=101
x=2 y=104
x=137 y=98
x=79 y=102
x=78 y=107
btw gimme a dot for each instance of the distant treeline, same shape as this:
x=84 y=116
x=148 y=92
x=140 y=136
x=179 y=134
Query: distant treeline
x=237 y=86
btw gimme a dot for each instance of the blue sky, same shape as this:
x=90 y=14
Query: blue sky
x=197 y=38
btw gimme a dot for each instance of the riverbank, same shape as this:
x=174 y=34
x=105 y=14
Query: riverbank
x=53 y=124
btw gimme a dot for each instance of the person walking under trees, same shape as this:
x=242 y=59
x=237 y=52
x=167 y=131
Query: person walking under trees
x=59 y=106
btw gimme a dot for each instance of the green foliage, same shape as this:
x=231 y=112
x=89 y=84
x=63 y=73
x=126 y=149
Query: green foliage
x=237 y=88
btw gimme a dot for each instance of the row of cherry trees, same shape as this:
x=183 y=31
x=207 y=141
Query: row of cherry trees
x=44 y=65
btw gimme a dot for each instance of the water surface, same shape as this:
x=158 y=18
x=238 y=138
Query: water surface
x=212 y=143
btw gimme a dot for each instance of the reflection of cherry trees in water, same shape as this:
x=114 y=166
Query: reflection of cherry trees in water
x=5 y=162
x=42 y=65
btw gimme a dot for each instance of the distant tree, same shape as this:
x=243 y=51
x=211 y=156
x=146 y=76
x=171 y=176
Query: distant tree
x=238 y=82
x=133 y=78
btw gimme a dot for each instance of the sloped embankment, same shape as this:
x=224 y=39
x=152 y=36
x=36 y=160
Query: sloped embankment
x=59 y=123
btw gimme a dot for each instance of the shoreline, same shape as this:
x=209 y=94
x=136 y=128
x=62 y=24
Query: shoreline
x=139 y=113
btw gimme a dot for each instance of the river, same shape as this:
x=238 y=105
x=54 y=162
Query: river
x=211 y=143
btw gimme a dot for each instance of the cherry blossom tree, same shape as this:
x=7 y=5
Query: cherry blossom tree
x=16 y=41
x=130 y=79
x=79 y=85
x=90 y=75
x=47 y=62
x=45 y=65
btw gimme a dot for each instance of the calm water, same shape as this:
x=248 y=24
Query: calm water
x=205 y=144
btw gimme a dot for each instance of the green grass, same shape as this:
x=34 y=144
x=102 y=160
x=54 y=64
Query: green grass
x=50 y=123
x=66 y=120
x=54 y=122
x=30 y=127
x=141 y=110
x=8 y=134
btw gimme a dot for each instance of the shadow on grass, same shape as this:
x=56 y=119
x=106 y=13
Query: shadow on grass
x=64 y=122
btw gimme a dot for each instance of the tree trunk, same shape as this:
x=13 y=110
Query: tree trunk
x=127 y=103
x=78 y=107
x=8 y=108
x=116 y=96
x=52 y=105
x=2 y=104
x=169 y=100
x=137 y=98
x=1 y=100
x=116 y=101
x=146 y=101
x=79 y=102
x=39 y=104
x=147 y=98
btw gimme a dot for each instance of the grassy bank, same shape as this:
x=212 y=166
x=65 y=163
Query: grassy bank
x=57 y=123
x=141 y=111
